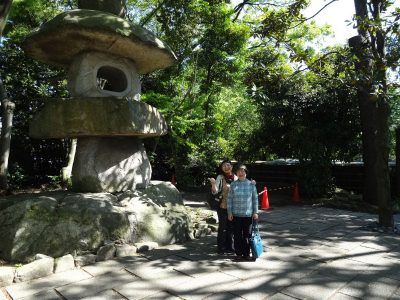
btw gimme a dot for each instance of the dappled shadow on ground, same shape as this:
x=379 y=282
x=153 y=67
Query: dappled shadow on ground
x=310 y=253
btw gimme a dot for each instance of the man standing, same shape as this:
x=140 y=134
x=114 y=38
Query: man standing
x=242 y=208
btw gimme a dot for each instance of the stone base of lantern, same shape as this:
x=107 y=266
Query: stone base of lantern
x=110 y=164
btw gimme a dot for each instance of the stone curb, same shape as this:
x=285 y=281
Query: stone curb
x=204 y=222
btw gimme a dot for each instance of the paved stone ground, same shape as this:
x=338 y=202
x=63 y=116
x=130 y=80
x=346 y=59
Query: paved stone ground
x=310 y=253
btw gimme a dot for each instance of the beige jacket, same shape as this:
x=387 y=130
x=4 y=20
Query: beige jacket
x=221 y=184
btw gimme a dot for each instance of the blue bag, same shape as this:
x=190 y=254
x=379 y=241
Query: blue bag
x=255 y=241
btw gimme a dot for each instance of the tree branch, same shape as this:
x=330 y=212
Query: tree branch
x=239 y=7
x=309 y=18
x=4 y=11
x=308 y=67
x=320 y=10
x=152 y=13
x=70 y=4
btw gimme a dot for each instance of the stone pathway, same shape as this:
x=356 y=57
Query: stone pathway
x=310 y=253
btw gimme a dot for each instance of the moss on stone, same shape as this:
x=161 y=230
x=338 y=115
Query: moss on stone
x=59 y=223
x=86 y=183
x=85 y=116
x=70 y=33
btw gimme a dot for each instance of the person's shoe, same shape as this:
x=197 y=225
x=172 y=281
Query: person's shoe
x=238 y=258
x=249 y=258
x=221 y=251
x=230 y=251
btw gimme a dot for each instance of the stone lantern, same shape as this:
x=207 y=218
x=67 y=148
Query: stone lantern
x=104 y=55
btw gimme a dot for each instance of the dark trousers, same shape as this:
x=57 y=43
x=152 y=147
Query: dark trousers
x=225 y=231
x=242 y=233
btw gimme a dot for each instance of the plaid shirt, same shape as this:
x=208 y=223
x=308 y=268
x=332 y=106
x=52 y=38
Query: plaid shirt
x=242 y=199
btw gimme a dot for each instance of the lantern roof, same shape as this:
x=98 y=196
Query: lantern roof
x=59 y=40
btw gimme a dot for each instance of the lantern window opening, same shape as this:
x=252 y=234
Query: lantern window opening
x=111 y=79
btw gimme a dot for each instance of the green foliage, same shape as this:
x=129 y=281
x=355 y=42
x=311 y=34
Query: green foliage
x=211 y=54
x=16 y=177
x=55 y=181
x=316 y=177
x=237 y=120
x=307 y=115
x=27 y=83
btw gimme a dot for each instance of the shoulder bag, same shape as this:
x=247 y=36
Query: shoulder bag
x=255 y=240
x=214 y=199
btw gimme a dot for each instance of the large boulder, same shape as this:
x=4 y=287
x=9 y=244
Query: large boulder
x=158 y=220
x=110 y=165
x=59 y=223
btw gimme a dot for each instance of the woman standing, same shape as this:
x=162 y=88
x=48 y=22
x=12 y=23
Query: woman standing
x=242 y=208
x=221 y=185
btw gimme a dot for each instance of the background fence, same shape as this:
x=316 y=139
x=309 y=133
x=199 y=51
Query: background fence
x=275 y=176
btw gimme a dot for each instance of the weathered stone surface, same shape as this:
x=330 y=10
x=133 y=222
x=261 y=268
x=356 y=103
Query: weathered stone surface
x=64 y=263
x=125 y=250
x=82 y=117
x=38 y=289
x=106 y=252
x=6 y=275
x=146 y=246
x=161 y=194
x=36 y=269
x=159 y=221
x=70 y=33
x=191 y=235
x=99 y=74
x=110 y=164
x=40 y=256
x=112 y=6
x=84 y=260
x=63 y=222
x=213 y=227
x=58 y=223
x=201 y=232
x=212 y=219
x=91 y=287
x=201 y=225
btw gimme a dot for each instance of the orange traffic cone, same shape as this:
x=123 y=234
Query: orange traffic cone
x=173 y=180
x=296 y=194
x=264 y=199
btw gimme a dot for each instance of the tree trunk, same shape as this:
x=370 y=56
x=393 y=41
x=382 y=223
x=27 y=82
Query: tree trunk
x=207 y=103
x=369 y=48
x=381 y=166
x=374 y=114
x=116 y=7
x=67 y=170
x=397 y=176
x=4 y=11
x=7 y=109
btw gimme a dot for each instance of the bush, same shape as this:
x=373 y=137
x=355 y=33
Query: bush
x=316 y=178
